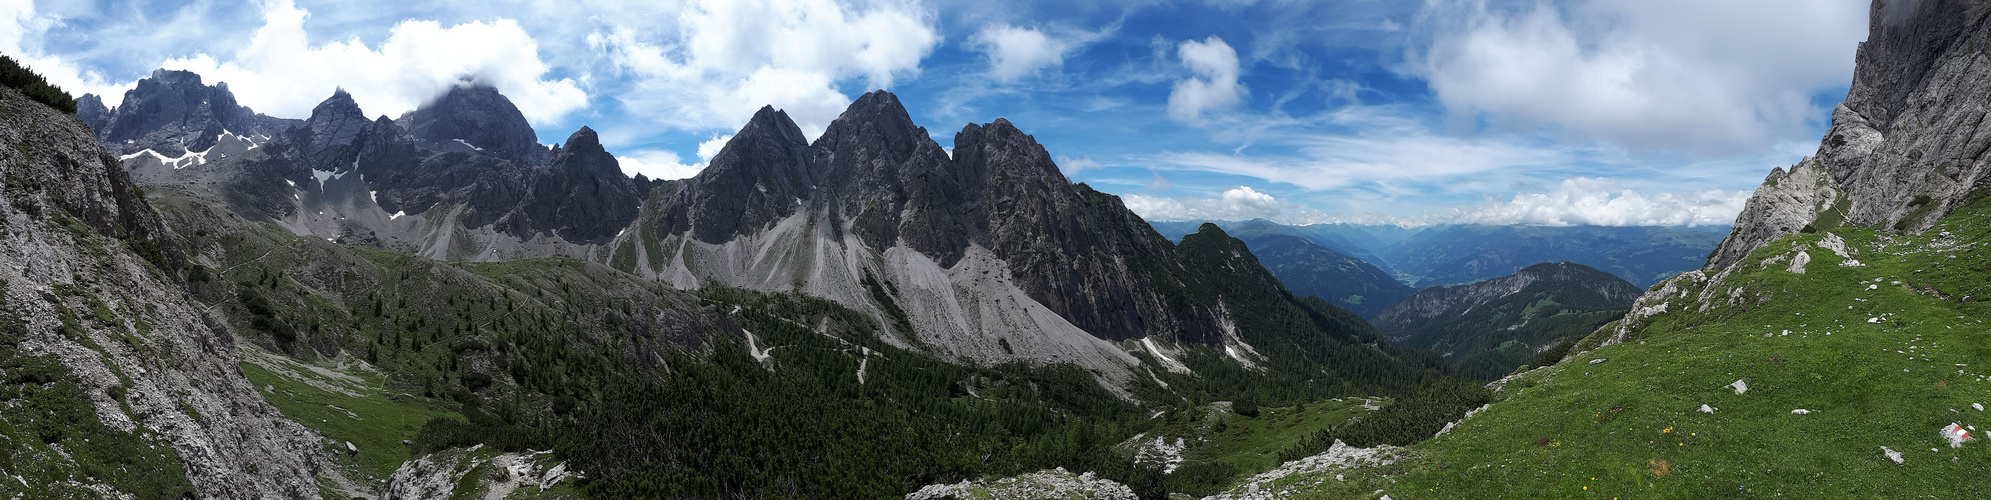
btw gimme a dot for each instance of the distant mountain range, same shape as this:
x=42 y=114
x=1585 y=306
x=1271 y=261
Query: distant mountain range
x=1333 y=264
x=1452 y=254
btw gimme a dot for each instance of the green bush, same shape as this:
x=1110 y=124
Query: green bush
x=12 y=74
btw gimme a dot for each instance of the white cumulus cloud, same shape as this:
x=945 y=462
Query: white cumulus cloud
x=711 y=147
x=1705 y=76
x=657 y=164
x=1238 y=203
x=1585 y=201
x=1214 y=82
x=21 y=33
x=727 y=58
x=1017 y=52
x=282 y=73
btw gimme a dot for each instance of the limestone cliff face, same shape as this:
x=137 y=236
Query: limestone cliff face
x=1908 y=145
x=91 y=284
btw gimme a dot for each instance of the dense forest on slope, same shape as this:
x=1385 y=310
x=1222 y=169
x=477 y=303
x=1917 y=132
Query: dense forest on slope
x=722 y=391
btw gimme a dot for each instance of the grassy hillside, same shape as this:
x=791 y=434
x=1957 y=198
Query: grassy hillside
x=1878 y=355
x=1487 y=339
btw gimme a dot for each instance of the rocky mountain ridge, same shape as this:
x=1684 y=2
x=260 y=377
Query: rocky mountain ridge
x=986 y=253
x=1907 y=145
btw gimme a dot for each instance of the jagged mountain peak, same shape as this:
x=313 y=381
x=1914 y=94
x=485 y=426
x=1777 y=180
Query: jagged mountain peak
x=875 y=119
x=173 y=111
x=331 y=138
x=753 y=181
x=480 y=117
x=584 y=139
x=90 y=108
x=340 y=104
x=1001 y=143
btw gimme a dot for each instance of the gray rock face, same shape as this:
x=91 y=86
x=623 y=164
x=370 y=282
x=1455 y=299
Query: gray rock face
x=179 y=375
x=333 y=138
x=470 y=156
x=754 y=180
x=1908 y=145
x=481 y=118
x=881 y=180
x=582 y=193
x=1076 y=251
x=172 y=113
x=91 y=110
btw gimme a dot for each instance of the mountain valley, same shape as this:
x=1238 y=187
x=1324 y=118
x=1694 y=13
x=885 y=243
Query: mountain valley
x=198 y=300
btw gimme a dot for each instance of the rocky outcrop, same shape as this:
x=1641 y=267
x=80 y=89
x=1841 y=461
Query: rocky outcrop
x=88 y=283
x=1056 y=483
x=91 y=110
x=1907 y=146
x=333 y=138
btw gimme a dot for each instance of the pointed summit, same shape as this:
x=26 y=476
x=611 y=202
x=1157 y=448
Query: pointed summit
x=875 y=121
x=584 y=139
x=480 y=117
x=583 y=196
x=331 y=138
x=92 y=111
x=753 y=181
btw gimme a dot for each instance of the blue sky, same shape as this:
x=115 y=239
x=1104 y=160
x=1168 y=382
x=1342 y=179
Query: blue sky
x=1613 y=112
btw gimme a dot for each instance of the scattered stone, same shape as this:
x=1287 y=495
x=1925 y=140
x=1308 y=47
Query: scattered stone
x=1056 y=483
x=1740 y=386
x=1707 y=409
x=1596 y=361
x=1891 y=454
x=351 y=450
x=1300 y=475
x=1957 y=435
x=1801 y=411
x=1977 y=406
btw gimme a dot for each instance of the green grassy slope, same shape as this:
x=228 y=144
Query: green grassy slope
x=1881 y=355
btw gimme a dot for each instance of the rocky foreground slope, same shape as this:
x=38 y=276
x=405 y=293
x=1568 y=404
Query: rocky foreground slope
x=116 y=383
